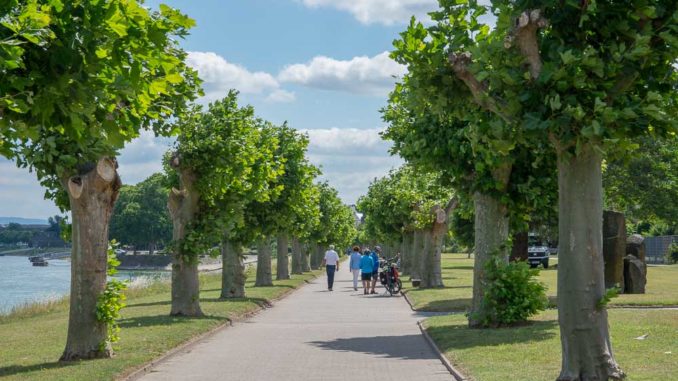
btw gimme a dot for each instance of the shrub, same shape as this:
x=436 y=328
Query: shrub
x=672 y=253
x=512 y=294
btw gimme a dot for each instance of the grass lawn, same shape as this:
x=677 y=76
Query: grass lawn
x=661 y=287
x=31 y=342
x=532 y=352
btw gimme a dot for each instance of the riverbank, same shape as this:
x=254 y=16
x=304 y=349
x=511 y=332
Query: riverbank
x=33 y=340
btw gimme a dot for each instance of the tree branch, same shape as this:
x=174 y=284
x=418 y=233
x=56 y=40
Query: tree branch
x=460 y=64
x=525 y=35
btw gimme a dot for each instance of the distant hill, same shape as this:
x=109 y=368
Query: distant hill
x=22 y=221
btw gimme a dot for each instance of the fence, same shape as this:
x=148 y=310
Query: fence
x=656 y=247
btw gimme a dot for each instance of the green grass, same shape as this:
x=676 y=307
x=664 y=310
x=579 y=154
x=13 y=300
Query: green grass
x=661 y=288
x=33 y=338
x=532 y=352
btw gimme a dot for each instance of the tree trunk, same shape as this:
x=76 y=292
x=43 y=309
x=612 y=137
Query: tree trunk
x=232 y=271
x=264 y=273
x=417 y=248
x=405 y=253
x=519 y=249
x=92 y=196
x=282 y=267
x=491 y=235
x=151 y=248
x=584 y=335
x=306 y=258
x=316 y=255
x=431 y=272
x=297 y=257
x=183 y=207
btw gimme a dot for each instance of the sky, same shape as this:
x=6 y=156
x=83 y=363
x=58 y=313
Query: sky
x=320 y=65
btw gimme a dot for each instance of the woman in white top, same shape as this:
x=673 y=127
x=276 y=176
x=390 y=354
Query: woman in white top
x=331 y=263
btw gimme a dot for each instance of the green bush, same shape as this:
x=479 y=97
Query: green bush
x=512 y=294
x=672 y=253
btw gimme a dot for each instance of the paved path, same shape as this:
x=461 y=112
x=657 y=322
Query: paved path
x=314 y=334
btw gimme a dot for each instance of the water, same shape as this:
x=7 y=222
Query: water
x=21 y=283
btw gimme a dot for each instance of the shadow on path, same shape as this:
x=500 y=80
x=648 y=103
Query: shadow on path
x=408 y=347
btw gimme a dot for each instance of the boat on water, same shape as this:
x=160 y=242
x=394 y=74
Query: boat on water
x=41 y=262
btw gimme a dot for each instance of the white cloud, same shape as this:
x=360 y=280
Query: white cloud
x=220 y=76
x=362 y=75
x=281 y=96
x=142 y=157
x=385 y=12
x=350 y=158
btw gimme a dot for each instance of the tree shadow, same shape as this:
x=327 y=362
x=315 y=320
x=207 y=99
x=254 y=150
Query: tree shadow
x=149 y=304
x=447 y=305
x=258 y=301
x=455 y=337
x=162 y=320
x=457 y=267
x=18 y=369
x=407 y=347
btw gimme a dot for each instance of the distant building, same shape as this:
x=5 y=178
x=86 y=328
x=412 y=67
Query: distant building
x=359 y=217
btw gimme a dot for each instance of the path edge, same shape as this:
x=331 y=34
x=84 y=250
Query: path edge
x=458 y=376
x=146 y=368
x=409 y=302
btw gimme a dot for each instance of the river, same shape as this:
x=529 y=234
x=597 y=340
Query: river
x=21 y=283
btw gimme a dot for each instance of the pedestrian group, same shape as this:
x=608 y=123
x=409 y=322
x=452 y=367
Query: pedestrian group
x=363 y=265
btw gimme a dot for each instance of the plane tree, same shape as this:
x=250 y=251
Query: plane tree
x=83 y=78
x=587 y=76
x=221 y=161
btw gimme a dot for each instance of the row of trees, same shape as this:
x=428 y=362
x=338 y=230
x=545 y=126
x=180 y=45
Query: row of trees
x=82 y=78
x=236 y=181
x=507 y=114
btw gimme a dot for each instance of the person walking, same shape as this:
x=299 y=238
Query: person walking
x=375 y=267
x=366 y=265
x=331 y=263
x=354 y=266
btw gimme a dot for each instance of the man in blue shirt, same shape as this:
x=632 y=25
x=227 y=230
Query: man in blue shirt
x=375 y=267
x=354 y=266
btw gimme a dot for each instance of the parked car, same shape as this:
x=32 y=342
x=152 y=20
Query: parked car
x=537 y=252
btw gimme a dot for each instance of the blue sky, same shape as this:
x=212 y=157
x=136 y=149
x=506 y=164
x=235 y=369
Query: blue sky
x=321 y=65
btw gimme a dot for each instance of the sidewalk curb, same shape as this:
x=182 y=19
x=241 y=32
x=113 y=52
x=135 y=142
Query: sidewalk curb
x=404 y=294
x=189 y=344
x=458 y=376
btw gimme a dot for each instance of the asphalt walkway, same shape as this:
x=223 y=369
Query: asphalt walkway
x=314 y=334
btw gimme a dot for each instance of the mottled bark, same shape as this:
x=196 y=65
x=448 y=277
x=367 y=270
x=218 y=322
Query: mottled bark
x=431 y=272
x=233 y=275
x=417 y=249
x=519 y=249
x=92 y=195
x=183 y=207
x=297 y=257
x=264 y=273
x=585 y=339
x=306 y=257
x=491 y=235
x=282 y=263
x=314 y=250
x=405 y=253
